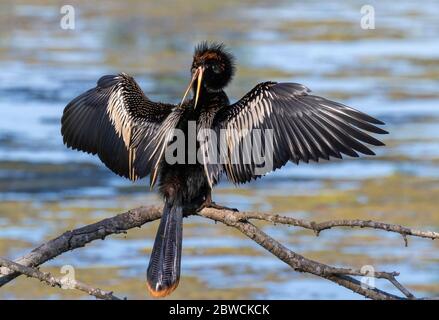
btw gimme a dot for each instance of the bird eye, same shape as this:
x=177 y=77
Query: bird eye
x=216 y=68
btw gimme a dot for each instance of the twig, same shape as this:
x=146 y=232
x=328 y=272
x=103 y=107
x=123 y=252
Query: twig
x=137 y=217
x=57 y=282
x=296 y=261
x=318 y=227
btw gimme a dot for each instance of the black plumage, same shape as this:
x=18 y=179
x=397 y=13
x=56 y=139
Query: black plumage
x=114 y=120
x=131 y=134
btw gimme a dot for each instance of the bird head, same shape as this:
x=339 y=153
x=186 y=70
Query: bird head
x=212 y=69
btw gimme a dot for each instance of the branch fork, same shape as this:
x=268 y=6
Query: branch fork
x=241 y=221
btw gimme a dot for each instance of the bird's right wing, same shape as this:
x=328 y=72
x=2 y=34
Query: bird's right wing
x=116 y=121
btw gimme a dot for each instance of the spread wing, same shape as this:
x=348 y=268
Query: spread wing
x=292 y=125
x=116 y=121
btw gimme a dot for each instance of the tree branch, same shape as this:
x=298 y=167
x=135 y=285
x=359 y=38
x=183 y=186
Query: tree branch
x=77 y=238
x=318 y=227
x=57 y=282
x=296 y=261
x=71 y=240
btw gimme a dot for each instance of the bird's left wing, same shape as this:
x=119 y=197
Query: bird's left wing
x=116 y=121
x=279 y=122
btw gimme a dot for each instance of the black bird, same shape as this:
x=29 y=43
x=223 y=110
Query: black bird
x=131 y=135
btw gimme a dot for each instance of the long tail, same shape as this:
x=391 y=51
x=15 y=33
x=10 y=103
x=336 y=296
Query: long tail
x=163 y=272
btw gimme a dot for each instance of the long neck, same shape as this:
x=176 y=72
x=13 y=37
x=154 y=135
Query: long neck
x=210 y=97
x=204 y=94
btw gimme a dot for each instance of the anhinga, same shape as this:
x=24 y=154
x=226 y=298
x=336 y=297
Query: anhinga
x=130 y=134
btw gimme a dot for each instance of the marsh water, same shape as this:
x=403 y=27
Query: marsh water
x=391 y=72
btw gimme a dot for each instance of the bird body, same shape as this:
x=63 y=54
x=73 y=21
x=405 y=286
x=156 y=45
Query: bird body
x=185 y=188
x=188 y=177
x=134 y=136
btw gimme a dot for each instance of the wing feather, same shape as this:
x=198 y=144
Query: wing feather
x=114 y=120
x=304 y=127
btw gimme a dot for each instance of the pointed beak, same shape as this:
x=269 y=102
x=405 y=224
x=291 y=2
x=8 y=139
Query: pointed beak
x=198 y=75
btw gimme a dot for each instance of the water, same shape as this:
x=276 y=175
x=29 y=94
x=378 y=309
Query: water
x=391 y=72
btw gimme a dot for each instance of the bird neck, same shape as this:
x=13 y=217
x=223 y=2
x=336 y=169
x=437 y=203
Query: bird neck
x=209 y=98
x=205 y=94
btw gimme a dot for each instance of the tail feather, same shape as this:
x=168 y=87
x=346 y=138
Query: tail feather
x=163 y=272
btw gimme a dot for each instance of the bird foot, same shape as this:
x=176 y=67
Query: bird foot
x=213 y=205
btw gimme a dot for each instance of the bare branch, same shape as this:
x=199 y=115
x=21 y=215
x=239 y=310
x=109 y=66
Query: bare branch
x=57 y=282
x=318 y=227
x=296 y=261
x=71 y=240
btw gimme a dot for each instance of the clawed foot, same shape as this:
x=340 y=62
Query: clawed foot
x=213 y=205
x=220 y=207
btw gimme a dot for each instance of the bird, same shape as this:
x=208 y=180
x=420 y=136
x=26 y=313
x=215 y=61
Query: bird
x=132 y=135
